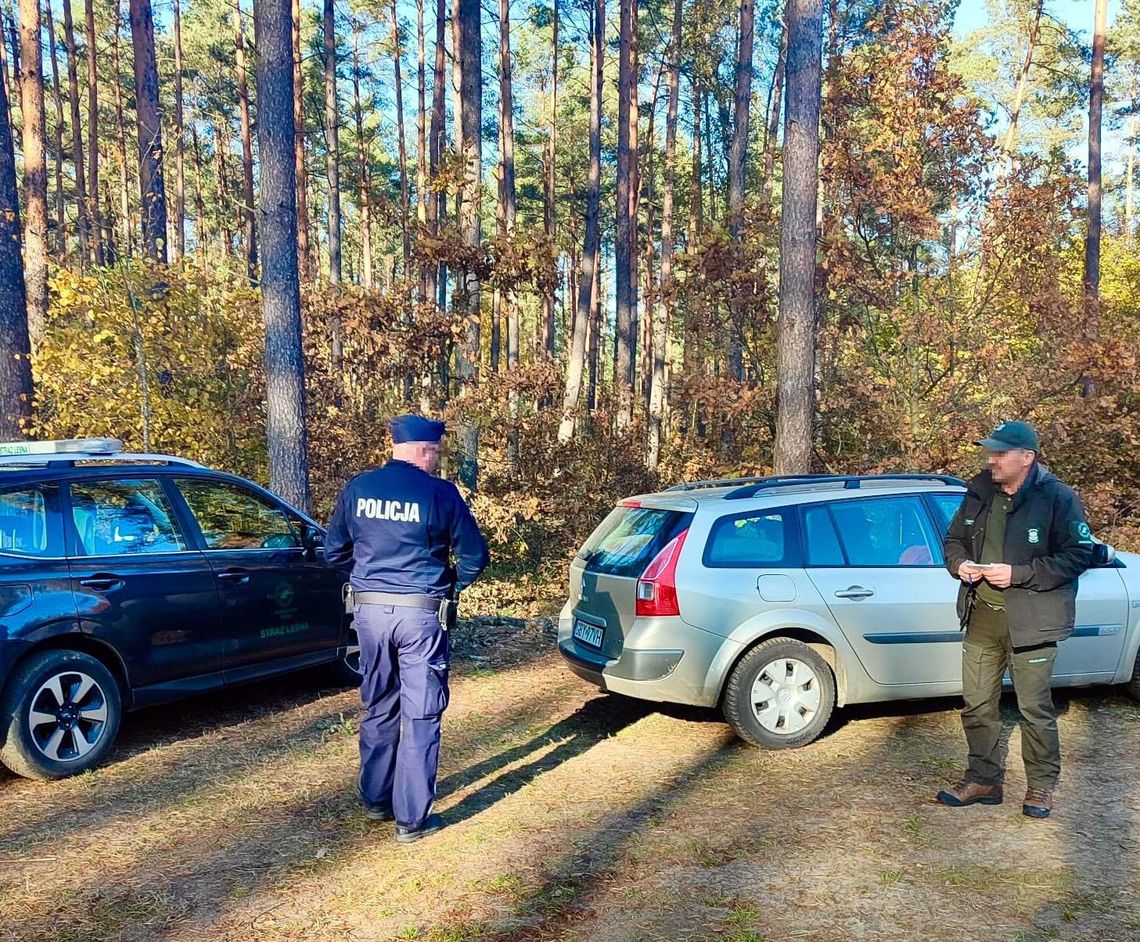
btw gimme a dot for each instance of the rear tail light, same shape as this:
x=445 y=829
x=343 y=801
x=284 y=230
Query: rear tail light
x=657 y=587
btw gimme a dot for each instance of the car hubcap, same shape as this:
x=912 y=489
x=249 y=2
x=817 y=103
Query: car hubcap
x=67 y=716
x=785 y=696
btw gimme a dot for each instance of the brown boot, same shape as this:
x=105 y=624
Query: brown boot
x=1038 y=802
x=969 y=793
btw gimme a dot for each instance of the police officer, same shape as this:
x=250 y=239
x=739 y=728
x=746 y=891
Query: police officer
x=1018 y=544
x=398 y=527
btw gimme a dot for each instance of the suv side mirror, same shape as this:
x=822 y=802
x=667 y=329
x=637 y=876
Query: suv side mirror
x=1103 y=554
x=312 y=539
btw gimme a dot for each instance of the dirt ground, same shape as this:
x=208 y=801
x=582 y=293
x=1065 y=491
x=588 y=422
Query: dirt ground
x=572 y=815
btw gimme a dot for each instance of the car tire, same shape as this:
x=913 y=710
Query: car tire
x=346 y=669
x=61 y=713
x=780 y=695
x=1134 y=684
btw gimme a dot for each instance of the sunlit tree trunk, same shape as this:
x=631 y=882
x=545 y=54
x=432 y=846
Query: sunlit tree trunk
x=35 y=170
x=128 y=238
x=179 y=140
x=77 y=156
x=737 y=159
x=248 y=213
x=362 y=171
x=93 y=213
x=280 y=289
x=304 y=252
x=549 y=189
x=151 y=156
x=57 y=101
x=625 y=233
x=332 y=134
x=795 y=360
x=775 y=106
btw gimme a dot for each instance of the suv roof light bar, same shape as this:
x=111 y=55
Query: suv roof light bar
x=849 y=481
x=68 y=446
x=69 y=452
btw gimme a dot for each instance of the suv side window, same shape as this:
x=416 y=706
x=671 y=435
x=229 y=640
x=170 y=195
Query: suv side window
x=820 y=540
x=759 y=538
x=29 y=522
x=886 y=531
x=123 y=517
x=230 y=517
x=947 y=505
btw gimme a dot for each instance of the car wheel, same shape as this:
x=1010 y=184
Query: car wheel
x=346 y=670
x=780 y=695
x=1134 y=684
x=62 y=712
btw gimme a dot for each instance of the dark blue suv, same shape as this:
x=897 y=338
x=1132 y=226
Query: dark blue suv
x=130 y=580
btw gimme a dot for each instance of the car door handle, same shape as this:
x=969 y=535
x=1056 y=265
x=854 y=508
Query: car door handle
x=234 y=575
x=854 y=592
x=103 y=583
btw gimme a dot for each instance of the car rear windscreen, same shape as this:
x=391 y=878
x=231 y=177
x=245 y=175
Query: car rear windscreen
x=628 y=539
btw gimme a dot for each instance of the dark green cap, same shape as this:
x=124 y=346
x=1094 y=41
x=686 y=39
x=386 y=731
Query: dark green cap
x=1010 y=435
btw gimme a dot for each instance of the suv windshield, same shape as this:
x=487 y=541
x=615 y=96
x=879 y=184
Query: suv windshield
x=628 y=539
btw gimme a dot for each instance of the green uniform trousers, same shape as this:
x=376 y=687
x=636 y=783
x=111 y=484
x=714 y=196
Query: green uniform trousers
x=987 y=653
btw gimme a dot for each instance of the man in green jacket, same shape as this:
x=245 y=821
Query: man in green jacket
x=1018 y=543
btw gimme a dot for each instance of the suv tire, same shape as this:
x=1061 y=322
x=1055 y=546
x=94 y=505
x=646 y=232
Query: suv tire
x=781 y=684
x=60 y=715
x=1134 y=684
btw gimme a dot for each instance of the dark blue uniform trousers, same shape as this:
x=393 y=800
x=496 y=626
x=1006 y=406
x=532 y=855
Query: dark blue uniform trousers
x=403 y=662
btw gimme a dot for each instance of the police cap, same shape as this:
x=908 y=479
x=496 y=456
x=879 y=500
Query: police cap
x=416 y=428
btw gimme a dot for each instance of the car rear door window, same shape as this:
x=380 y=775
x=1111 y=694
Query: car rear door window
x=886 y=531
x=947 y=505
x=28 y=522
x=231 y=517
x=124 y=518
x=757 y=539
x=629 y=538
x=820 y=540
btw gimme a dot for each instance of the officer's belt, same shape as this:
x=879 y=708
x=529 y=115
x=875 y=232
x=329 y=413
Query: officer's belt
x=425 y=602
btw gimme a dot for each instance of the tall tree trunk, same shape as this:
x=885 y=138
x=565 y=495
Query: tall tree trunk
x=121 y=137
x=507 y=196
x=15 y=347
x=795 y=364
x=583 y=310
x=77 y=155
x=401 y=141
x=469 y=54
x=179 y=140
x=362 y=171
x=222 y=189
x=421 y=119
x=150 y=131
x=332 y=133
x=775 y=103
x=625 y=237
x=435 y=277
x=737 y=160
x=201 y=233
x=1096 y=109
x=247 y=211
x=57 y=101
x=35 y=170
x=549 y=192
x=1023 y=80
x=304 y=252
x=696 y=221
x=93 y=213
x=661 y=312
x=1131 y=174
x=280 y=287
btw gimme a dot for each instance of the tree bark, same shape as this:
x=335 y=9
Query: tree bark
x=179 y=140
x=332 y=134
x=583 y=310
x=150 y=131
x=221 y=186
x=549 y=188
x=1129 y=226
x=200 y=229
x=737 y=161
x=625 y=237
x=1096 y=109
x=661 y=311
x=775 y=105
x=77 y=155
x=280 y=285
x=249 y=216
x=421 y=118
x=362 y=172
x=469 y=55
x=304 y=252
x=795 y=365
x=507 y=193
x=435 y=276
x=15 y=346
x=57 y=101
x=93 y=213
x=35 y=170
x=401 y=141
x=696 y=219
x=121 y=138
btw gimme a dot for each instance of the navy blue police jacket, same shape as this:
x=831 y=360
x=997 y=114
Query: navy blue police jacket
x=398 y=527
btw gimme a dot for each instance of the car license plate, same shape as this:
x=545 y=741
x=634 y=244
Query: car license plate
x=587 y=633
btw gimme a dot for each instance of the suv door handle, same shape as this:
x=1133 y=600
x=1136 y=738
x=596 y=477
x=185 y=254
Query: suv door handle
x=235 y=574
x=103 y=583
x=854 y=592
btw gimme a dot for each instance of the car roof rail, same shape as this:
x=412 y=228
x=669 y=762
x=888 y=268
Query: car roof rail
x=849 y=481
x=713 y=482
x=67 y=453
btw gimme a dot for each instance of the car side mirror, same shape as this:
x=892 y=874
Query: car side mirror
x=312 y=539
x=1103 y=554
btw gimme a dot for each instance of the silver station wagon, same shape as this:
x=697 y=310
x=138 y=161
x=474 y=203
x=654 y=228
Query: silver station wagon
x=778 y=599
